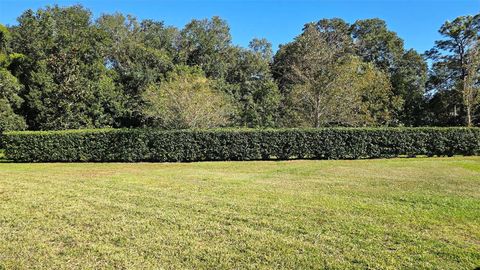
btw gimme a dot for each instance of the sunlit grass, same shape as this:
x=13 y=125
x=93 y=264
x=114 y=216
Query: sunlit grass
x=379 y=214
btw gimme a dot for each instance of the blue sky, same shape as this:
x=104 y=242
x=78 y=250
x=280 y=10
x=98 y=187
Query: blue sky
x=417 y=22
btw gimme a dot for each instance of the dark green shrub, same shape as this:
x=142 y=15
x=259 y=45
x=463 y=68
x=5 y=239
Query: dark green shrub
x=128 y=145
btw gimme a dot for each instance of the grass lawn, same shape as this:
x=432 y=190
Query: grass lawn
x=378 y=214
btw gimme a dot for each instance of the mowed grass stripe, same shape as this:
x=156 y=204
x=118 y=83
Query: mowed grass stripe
x=395 y=213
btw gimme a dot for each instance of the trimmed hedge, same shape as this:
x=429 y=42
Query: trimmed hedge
x=129 y=145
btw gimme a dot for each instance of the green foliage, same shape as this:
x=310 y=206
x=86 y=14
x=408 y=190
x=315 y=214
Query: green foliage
x=10 y=101
x=129 y=145
x=324 y=84
x=10 y=88
x=305 y=69
x=9 y=120
x=358 y=95
x=449 y=70
x=186 y=99
x=371 y=41
x=77 y=72
x=138 y=54
x=252 y=86
x=376 y=44
x=408 y=82
x=471 y=83
x=5 y=38
x=207 y=44
x=66 y=82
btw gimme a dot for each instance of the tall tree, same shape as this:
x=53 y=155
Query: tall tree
x=409 y=83
x=262 y=47
x=359 y=95
x=407 y=70
x=310 y=61
x=207 y=44
x=471 y=82
x=449 y=69
x=66 y=82
x=376 y=44
x=337 y=34
x=140 y=54
x=307 y=64
x=10 y=101
x=326 y=85
x=252 y=86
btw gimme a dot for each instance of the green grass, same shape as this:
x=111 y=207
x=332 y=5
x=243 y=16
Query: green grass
x=379 y=214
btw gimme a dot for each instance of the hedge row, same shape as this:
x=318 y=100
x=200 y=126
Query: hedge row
x=128 y=145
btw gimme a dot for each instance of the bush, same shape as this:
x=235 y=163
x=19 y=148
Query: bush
x=128 y=145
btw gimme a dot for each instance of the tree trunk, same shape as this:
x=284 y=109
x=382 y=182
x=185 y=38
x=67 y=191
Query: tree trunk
x=469 y=116
x=467 y=101
x=317 y=112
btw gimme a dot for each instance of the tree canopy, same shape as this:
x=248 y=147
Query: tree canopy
x=62 y=68
x=186 y=99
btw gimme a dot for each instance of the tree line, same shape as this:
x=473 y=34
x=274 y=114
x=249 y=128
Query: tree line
x=62 y=69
